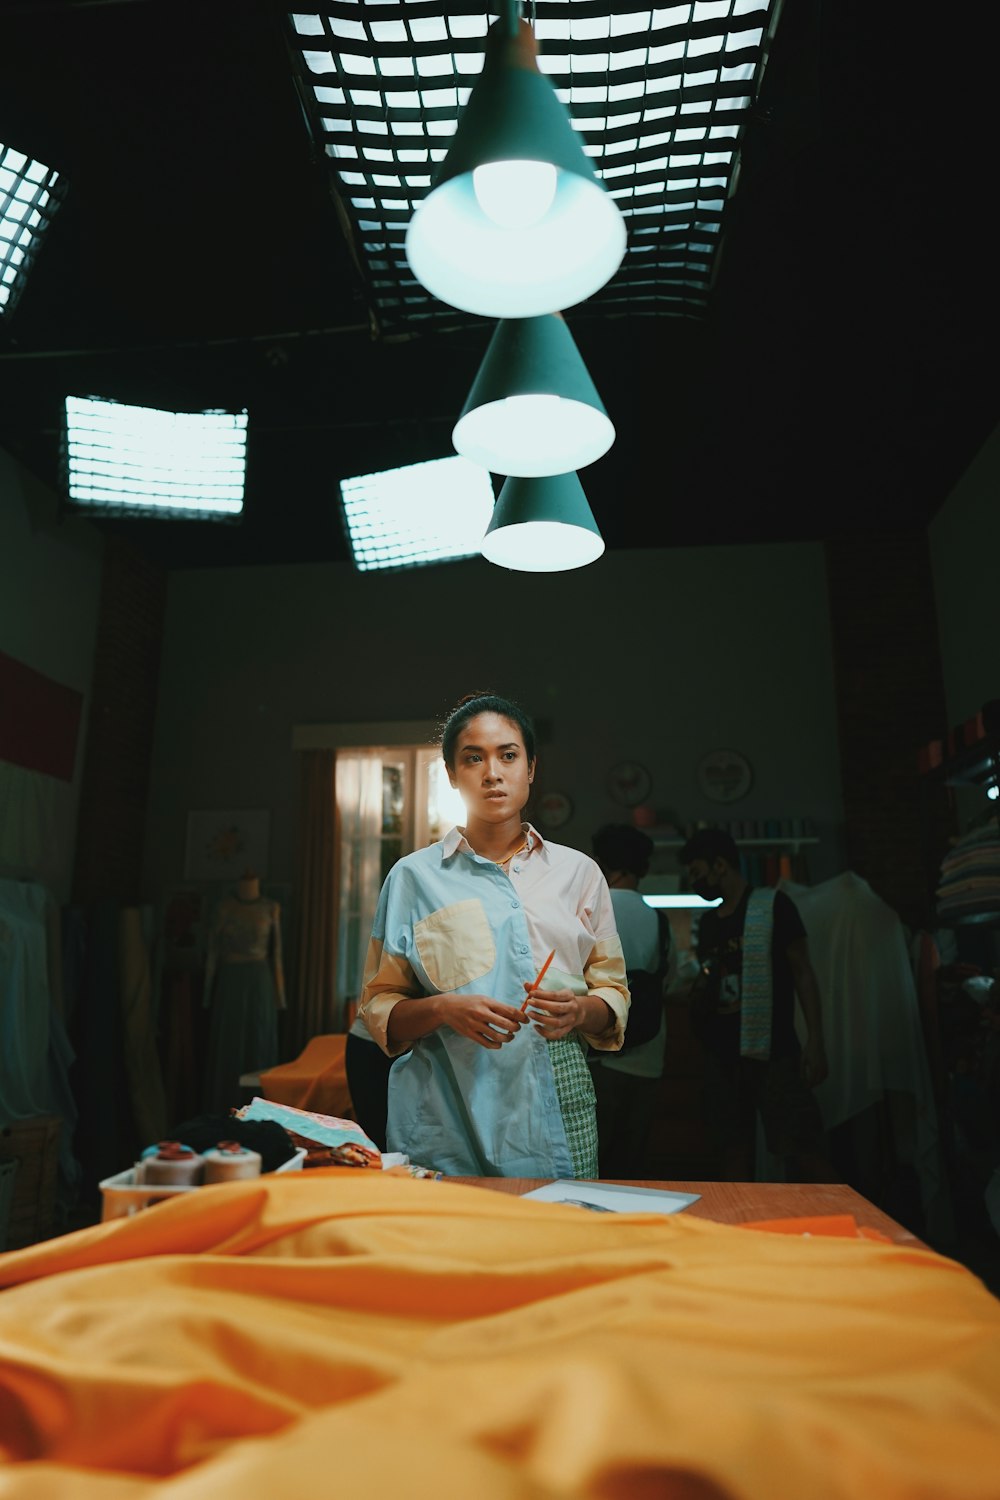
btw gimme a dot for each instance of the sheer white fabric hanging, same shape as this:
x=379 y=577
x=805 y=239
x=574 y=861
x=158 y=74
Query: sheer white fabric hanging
x=36 y=825
x=872 y=1027
x=359 y=810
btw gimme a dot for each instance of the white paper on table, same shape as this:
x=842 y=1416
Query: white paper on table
x=613 y=1197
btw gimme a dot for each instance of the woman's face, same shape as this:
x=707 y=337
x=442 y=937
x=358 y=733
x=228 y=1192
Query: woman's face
x=491 y=770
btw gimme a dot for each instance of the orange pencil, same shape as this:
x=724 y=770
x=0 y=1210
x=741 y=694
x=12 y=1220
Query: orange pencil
x=540 y=977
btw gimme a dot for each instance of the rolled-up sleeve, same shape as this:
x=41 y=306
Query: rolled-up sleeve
x=388 y=979
x=606 y=976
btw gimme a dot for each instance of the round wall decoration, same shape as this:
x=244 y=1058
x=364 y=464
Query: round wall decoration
x=629 y=783
x=554 y=809
x=724 y=775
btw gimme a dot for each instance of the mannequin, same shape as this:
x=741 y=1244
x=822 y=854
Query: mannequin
x=244 y=988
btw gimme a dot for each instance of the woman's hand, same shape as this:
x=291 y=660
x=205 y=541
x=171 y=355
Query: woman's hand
x=487 y=1022
x=556 y=1013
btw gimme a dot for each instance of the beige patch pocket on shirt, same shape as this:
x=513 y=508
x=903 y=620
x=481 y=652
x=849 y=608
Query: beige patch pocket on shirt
x=455 y=945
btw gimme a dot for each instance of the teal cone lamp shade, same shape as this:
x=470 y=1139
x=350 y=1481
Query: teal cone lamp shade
x=542 y=525
x=533 y=408
x=516 y=223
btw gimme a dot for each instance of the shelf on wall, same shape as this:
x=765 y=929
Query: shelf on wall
x=967 y=757
x=987 y=917
x=974 y=766
x=969 y=754
x=789 y=841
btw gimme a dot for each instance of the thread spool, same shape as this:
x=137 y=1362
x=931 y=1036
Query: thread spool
x=171 y=1164
x=230 y=1161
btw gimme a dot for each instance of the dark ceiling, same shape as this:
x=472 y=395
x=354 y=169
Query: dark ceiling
x=843 y=378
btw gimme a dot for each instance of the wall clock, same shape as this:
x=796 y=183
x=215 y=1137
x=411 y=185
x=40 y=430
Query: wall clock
x=554 y=809
x=629 y=783
x=724 y=775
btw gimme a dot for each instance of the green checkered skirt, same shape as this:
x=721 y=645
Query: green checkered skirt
x=577 y=1102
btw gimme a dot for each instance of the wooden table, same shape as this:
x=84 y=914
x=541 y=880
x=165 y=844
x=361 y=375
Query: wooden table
x=742 y=1202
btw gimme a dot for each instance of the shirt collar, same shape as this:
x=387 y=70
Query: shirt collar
x=455 y=840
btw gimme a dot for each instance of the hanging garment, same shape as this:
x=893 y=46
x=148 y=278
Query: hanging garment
x=871 y=1025
x=244 y=990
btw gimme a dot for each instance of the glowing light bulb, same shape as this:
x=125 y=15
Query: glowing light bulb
x=515 y=194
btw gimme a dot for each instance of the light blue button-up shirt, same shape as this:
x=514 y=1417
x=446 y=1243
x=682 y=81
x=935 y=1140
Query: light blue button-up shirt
x=450 y=921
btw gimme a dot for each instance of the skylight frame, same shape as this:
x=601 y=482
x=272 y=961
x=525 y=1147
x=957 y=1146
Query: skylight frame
x=30 y=194
x=371 y=505
x=124 y=460
x=661 y=98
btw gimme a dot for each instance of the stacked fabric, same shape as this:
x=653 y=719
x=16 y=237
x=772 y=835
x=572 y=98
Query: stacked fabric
x=329 y=1141
x=970 y=875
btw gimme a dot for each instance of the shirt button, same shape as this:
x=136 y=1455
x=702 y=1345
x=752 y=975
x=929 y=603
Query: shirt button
x=524 y=948
x=514 y=905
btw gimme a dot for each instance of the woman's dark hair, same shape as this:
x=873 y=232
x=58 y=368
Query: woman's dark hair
x=484 y=703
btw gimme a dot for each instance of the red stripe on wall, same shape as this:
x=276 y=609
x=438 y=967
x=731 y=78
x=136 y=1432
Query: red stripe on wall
x=39 y=720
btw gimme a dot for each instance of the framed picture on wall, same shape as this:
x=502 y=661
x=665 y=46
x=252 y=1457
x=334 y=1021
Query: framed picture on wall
x=724 y=775
x=629 y=783
x=554 y=809
x=222 y=845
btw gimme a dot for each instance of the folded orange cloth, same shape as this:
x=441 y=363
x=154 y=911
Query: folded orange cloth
x=440 y=1340
x=316 y=1079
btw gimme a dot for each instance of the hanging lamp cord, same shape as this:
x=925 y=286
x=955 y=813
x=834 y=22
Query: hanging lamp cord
x=510 y=15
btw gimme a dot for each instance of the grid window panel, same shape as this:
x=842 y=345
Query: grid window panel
x=659 y=97
x=137 y=460
x=30 y=194
x=423 y=513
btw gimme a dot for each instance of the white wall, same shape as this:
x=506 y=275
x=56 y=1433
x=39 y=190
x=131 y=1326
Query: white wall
x=653 y=656
x=50 y=582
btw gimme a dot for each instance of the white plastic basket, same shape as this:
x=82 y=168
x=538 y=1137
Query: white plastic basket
x=122 y=1196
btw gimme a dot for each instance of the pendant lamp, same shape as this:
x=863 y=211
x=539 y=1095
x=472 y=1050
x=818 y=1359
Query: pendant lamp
x=516 y=222
x=542 y=525
x=533 y=408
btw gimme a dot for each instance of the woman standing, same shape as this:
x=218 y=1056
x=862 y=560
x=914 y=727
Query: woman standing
x=462 y=930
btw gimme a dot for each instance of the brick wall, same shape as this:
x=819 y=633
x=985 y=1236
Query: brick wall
x=889 y=688
x=111 y=823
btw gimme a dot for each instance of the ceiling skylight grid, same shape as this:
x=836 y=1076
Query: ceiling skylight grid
x=660 y=98
x=30 y=193
x=420 y=514
x=136 y=460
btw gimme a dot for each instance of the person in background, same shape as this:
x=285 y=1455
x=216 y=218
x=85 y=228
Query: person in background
x=628 y=1082
x=495 y=1082
x=367 y=1068
x=754 y=960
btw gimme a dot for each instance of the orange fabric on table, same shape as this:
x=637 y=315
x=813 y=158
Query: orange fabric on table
x=843 y=1226
x=441 y=1340
x=315 y=1080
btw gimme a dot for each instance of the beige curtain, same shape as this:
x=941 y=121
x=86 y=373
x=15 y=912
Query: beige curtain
x=143 y=1072
x=314 y=1009
x=359 y=822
